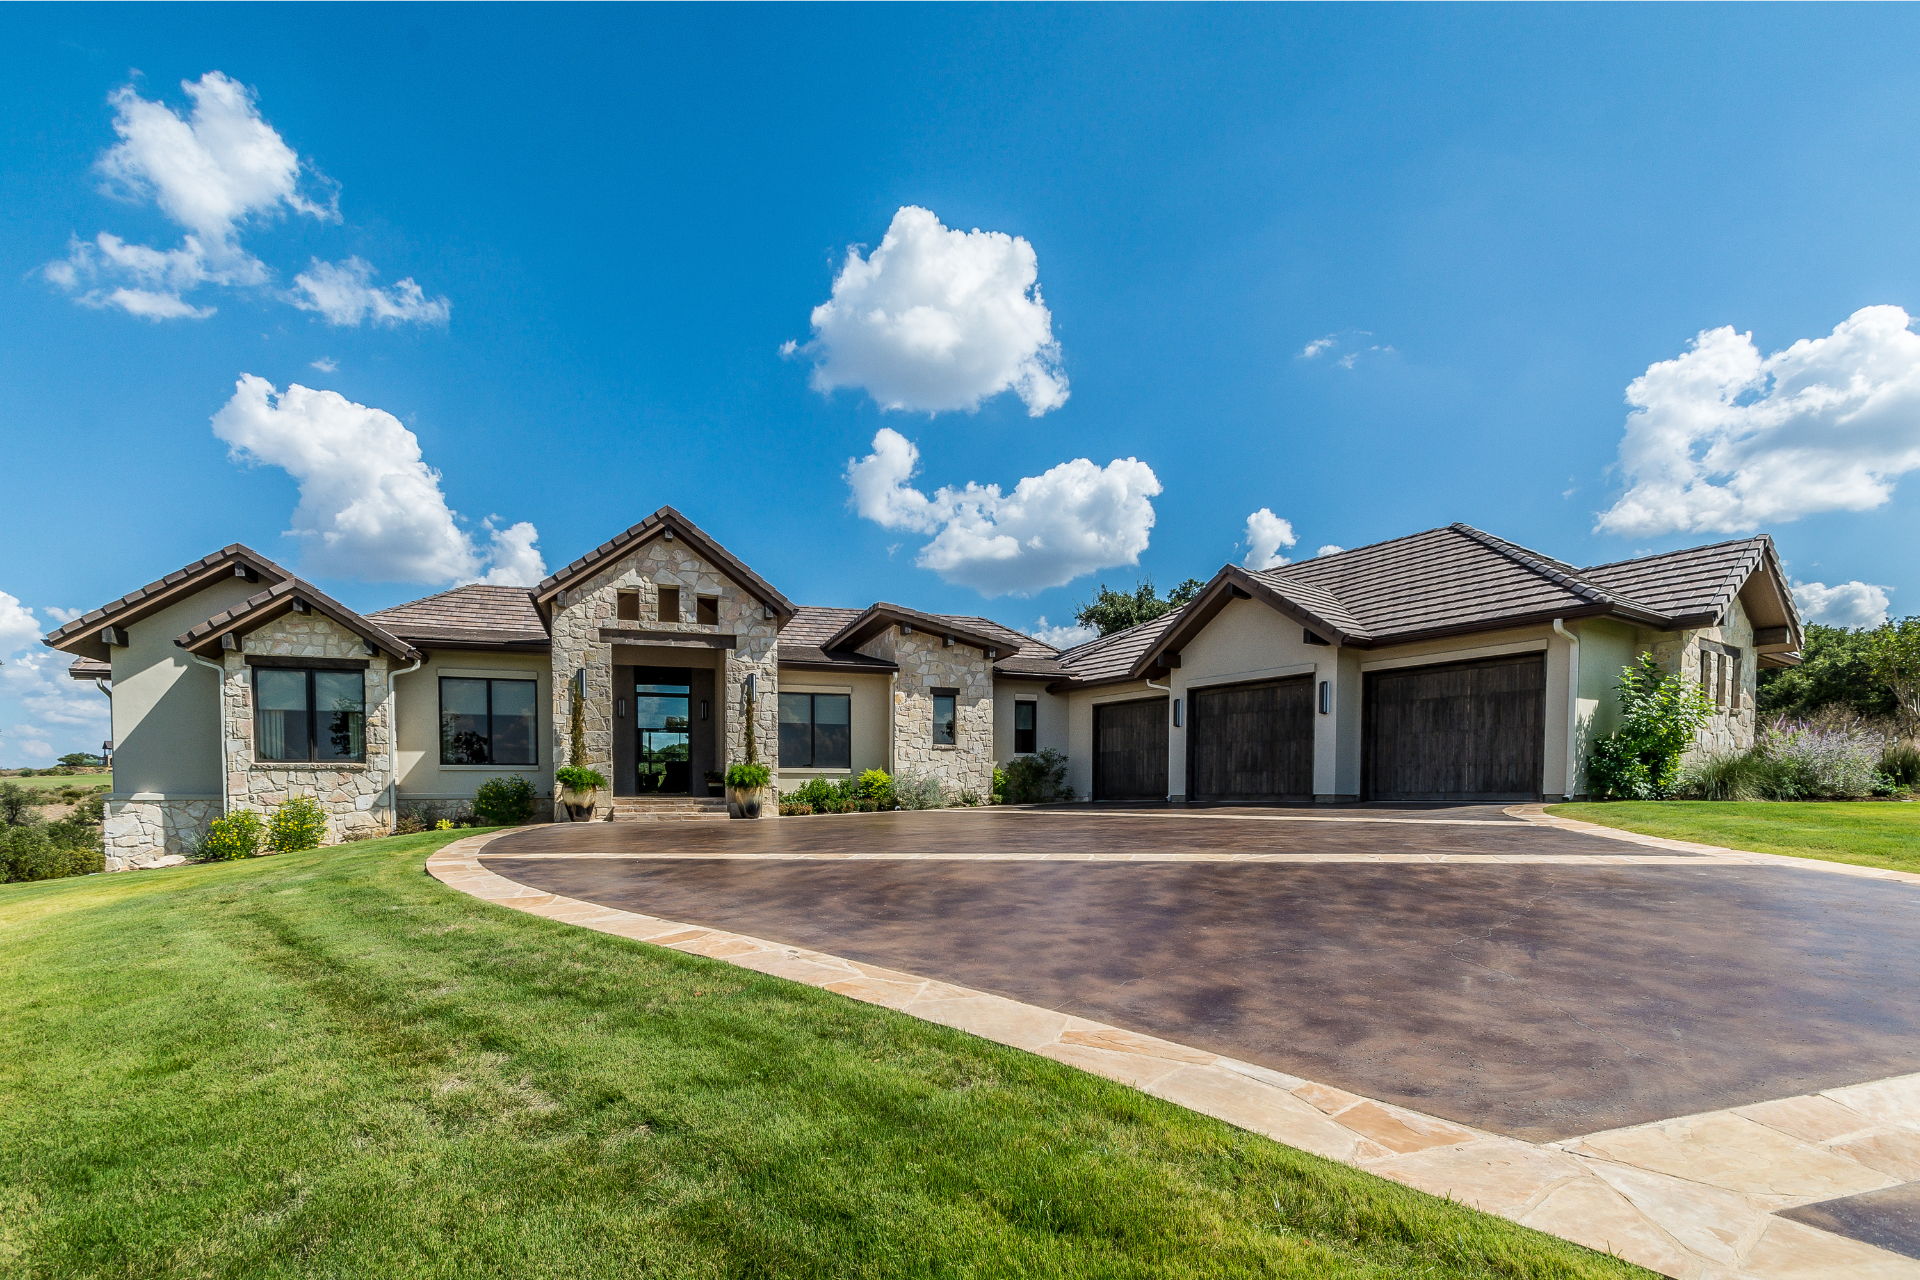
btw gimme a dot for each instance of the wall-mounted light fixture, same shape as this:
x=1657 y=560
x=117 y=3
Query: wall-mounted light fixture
x=1326 y=697
x=703 y=708
x=949 y=642
x=906 y=629
x=1176 y=713
x=580 y=682
x=753 y=684
x=621 y=703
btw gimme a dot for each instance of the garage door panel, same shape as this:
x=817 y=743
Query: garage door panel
x=1472 y=730
x=1130 y=750
x=1251 y=741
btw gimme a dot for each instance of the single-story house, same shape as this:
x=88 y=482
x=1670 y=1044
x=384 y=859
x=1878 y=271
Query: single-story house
x=1448 y=664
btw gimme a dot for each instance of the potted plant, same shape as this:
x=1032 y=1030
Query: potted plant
x=716 y=783
x=580 y=786
x=746 y=787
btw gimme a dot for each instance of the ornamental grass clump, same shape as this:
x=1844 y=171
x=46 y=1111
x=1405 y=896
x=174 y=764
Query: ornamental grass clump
x=298 y=824
x=919 y=791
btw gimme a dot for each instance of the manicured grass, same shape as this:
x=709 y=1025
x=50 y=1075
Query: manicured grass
x=42 y=782
x=1868 y=834
x=329 y=1064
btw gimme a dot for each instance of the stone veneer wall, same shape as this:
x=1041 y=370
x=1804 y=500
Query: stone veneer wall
x=581 y=610
x=354 y=796
x=139 y=831
x=927 y=663
x=1729 y=729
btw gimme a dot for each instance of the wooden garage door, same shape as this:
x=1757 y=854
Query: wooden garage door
x=1463 y=731
x=1130 y=750
x=1251 y=741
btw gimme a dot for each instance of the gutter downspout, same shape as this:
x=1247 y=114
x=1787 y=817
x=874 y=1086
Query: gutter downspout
x=1573 y=706
x=220 y=719
x=1168 y=690
x=893 y=717
x=393 y=738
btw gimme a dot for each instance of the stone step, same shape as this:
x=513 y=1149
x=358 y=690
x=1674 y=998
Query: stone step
x=669 y=808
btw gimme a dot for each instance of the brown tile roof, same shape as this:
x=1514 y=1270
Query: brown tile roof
x=804 y=639
x=654 y=526
x=1113 y=657
x=182 y=582
x=476 y=615
x=811 y=626
x=263 y=607
x=1699 y=581
x=876 y=618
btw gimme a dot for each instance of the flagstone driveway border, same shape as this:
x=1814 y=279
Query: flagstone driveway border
x=1692 y=1197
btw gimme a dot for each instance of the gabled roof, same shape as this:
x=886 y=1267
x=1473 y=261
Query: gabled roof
x=662 y=523
x=803 y=641
x=476 y=616
x=875 y=618
x=807 y=641
x=258 y=610
x=1460 y=580
x=81 y=636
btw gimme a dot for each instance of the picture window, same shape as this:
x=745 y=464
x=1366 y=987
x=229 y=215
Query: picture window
x=309 y=715
x=816 y=731
x=488 y=721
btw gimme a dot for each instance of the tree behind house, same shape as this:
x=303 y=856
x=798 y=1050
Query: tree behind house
x=1110 y=611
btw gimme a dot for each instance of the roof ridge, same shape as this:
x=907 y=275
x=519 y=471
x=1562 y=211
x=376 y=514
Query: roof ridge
x=1533 y=561
x=1347 y=551
x=438 y=595
x=1659 y=555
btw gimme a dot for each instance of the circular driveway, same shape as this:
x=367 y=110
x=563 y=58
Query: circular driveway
x=1525 y=980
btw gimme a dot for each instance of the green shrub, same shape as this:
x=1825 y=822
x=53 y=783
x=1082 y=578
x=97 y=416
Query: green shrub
x=18 y=804
x=298 y=824
x=919 y=791
x=504 y=802
x=235 y=836
x=792 y=809
x=748 y=775
x=969 y=798
x=1660 y=712
x=1037 y=779
x=876 y=785
x=1901 y=764
x=41 y=852
x=998 y=792
x=815 y=794
x=1738 y=775
x=576 y=778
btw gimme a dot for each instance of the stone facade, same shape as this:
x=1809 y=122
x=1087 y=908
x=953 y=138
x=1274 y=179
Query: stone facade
x=581 y=611
x=354 y=795
x=1734 y=725
x=137 y=831
x=927 y=663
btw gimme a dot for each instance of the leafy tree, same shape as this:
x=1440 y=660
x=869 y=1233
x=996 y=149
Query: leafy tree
x=1660 y=712
x=81 y=760
x=1893 y=655
x=1110 y=611
x=17 y=805
x=1836 y=668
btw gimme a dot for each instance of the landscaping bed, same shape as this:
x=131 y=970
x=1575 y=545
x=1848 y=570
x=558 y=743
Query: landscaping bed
x=1865 y=834
x=326 y=1063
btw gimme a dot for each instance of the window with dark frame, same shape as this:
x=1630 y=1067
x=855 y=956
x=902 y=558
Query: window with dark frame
x=626 y=606
x=816 y=731
x=669 y=604
x=1025 y=733
x=706 y=611
x=486 y=721
x=946 y=724
x=309 y=714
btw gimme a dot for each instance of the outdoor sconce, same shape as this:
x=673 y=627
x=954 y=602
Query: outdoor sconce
x=906 y=629
x=766 y=611
x=753 y=684
x=1176 y=713
x=621 y=703
x=703 y=708
x=1326 y=697
x=949 y=643
x=580 y=682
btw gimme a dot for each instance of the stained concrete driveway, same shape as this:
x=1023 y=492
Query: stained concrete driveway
x=1533 y=983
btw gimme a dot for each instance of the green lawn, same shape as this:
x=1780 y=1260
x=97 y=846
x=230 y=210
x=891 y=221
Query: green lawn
x=328 y=1064
x=42 y=782
x=1869 y=834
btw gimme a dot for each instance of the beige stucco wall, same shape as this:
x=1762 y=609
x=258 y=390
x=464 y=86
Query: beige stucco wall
x=419 y=773
x=166 y=719
x=581 y=610
x=1049 y=722
x=867 y=692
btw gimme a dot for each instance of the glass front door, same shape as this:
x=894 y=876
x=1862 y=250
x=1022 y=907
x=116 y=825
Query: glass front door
x=663 y=754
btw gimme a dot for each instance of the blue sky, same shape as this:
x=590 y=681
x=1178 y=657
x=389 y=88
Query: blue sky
x=1494 y=220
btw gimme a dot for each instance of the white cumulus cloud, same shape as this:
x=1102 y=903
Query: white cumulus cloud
x=1072 y=519
x=345 y=294
x=216 y=171
x=1329 y=550
x=512 y=558
x=938 y=319
x=1064 y=636
x=1266 y=534
x=370 y=507
x=18 y=627
x=1722 y=439
x=60 y=616
x=34 y=685
x=1847 y=604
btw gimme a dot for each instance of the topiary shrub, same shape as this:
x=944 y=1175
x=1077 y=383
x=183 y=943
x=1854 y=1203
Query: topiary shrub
x=235 y=836
x=298 y=824
x=504 y=802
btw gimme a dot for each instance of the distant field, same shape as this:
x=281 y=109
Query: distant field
x=41 y=782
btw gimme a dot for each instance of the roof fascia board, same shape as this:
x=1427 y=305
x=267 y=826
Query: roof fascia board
x=160 y=594
x=874 y=666
x=878 y=617
x=276 y=602
x=1212 y=599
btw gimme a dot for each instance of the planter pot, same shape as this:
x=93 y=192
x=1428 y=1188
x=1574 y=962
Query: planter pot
x=580 y=805
x=744 y=802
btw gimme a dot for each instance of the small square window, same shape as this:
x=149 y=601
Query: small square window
x=669 y=604
x=1024 y=729
x=626 y=606
x=706 y=611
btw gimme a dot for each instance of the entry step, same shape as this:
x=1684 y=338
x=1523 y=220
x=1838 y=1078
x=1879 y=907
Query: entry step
x=668 y=808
